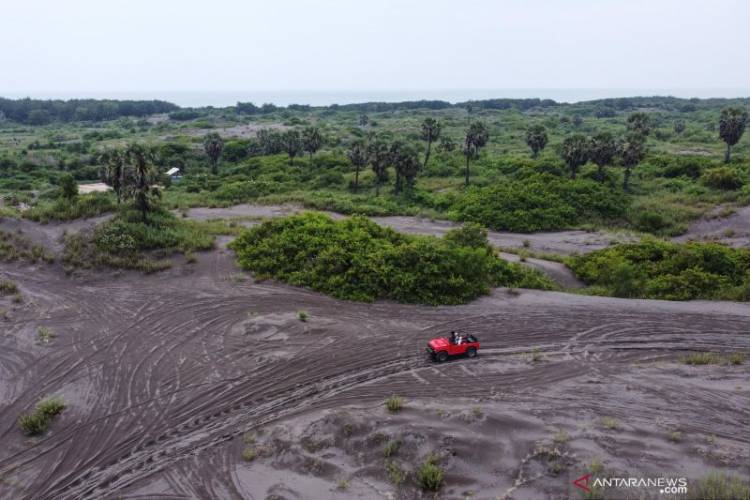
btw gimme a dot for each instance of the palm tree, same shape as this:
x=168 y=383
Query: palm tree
x=379 y=154
x=213 y=144
x=430 y=133
x=602 y=149
x=731 y=127
x=142 y=189
x=536 y=139
x=292 y=143
x=476 y=138
x=575 y=152
x=633 y=151
x=357 y=155
x=312 y=140
x=406 y=161
x=639 y=123
x=113 y=171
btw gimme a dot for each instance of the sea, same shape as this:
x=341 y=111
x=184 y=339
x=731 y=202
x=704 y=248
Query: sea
x=201 y=98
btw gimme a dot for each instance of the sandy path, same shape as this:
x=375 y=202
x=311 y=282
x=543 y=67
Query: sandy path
x=733 y=230
x=164 y=373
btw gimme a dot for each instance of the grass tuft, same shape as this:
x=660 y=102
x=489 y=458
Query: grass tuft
x=394 y=404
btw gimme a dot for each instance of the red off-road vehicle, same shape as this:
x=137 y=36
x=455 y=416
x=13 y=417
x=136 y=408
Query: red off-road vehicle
x=441 y=348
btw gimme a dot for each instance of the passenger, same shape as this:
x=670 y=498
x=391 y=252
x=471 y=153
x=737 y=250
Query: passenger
x=460 y=340
x=454 y=337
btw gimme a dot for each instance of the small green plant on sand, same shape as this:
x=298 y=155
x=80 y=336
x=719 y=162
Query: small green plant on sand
x=249 y=454
x=302 y=316
x=38 y=422
x=394 y=404
x=44 y=335
x=609 y=423
x=391 y=448
x=343 y=484
x=395 y=473
x=430 y=475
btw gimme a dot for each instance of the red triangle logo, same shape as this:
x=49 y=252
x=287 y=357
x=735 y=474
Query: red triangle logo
x=583 y=482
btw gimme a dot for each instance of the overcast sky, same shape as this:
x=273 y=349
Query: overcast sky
x=64 y=46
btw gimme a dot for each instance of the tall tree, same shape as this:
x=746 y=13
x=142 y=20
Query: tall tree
x=406 y=162
x=357 y=155
x=602 y=150
x=731 y=127
x=378 y=151
x=142 y=189
x=679 y=127
x=292 y=143
x=633 y=151
x=213 y=144
x=536 y=139
x=113 y=171
x=430 y=133
x=575 y=152
x=639 y=123
x=476 y=138
x=312 y=140
x=68 y=187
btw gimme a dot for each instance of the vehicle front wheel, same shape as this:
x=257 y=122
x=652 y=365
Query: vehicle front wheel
x=442 y=356
x=471 y=352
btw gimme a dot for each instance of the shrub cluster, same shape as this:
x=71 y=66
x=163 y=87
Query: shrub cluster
x=540 y=203
x=37 y=423
x=724 y=178
x=658 y=269
x=358 y=260
x=127 y=242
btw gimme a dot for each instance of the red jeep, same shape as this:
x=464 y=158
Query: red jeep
x=440 y=348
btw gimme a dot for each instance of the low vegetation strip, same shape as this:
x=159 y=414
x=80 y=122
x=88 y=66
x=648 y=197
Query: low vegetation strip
x=658 y=269
x=358 y=260
x=15 y=246
x=127 y=242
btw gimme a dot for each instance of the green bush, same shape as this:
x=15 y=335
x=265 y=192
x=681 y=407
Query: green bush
x=33 y=424
x=126 y=242
x=37 y=423
x=430 y=475
x=358 y=260
x=540 y=203
x=724 y=178
x=662 y=270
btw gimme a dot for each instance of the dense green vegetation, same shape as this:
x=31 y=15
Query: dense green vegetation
x=42 y=112
x=396 y=158
x=660 y=270
x=540 y=202
x=648 y=164
x=357 y=259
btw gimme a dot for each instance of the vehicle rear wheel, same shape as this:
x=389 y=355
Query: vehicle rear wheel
x=471 y=352
x=442 y=356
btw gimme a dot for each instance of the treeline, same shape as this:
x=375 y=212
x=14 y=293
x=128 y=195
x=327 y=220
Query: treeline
x=42 y=112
